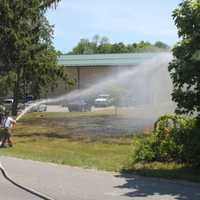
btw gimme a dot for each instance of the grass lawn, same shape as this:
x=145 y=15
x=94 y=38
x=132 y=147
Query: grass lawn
x=67 y=138
x=57 y=138
x=98 y=155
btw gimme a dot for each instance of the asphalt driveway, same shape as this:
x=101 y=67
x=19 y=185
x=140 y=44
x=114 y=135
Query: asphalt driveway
x=72 y=183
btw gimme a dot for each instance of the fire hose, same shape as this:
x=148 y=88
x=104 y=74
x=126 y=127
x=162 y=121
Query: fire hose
x=27 y=189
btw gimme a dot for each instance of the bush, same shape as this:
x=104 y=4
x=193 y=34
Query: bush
x=144 y=149
x=175 y=139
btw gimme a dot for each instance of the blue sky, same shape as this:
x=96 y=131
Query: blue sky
x=125 y=21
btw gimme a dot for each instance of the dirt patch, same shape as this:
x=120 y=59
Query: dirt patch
x=82 y=124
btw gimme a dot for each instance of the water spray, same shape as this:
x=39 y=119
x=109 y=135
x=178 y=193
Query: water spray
x=27 y=189
x=137 y=80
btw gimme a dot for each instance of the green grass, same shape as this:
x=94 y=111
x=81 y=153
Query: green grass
x=166 y=170
x=98 y=155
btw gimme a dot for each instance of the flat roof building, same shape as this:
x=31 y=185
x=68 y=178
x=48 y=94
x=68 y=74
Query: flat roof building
x=92 y=60
x=87 y=69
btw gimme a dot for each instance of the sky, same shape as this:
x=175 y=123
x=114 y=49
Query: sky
x=125 y=21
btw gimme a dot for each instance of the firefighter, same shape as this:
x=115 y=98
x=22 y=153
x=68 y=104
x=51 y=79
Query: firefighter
x=7 y=125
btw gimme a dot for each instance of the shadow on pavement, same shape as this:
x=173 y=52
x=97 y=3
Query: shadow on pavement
x=148 y=187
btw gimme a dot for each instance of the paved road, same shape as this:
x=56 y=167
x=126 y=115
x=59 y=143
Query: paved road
x=71 y=183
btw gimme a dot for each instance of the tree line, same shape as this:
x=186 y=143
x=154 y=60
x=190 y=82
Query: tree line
x=101 y=45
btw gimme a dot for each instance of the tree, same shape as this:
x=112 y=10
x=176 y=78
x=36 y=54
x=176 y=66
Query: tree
x=27 y=55
x=119 y=48
x=102 y=45
x=161 y=45
x=85 y=47
x=144 y=45
x=104 y=40
x=131 y=48
x=185 y=67
x=104 y=48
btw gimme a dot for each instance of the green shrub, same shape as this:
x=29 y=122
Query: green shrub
x=144 y=150
x=175 y=138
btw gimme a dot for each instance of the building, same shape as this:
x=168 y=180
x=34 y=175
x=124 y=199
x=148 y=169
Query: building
x=85 y=70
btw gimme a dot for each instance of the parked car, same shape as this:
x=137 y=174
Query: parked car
x=28 y=98
x=103 y=100
x=7 y=103
x=78 y=105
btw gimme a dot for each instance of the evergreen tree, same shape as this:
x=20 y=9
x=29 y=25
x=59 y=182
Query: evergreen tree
x=27 y=57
